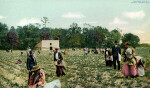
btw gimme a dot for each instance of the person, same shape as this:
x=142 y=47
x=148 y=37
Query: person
x=108 y=57
x=115 y=52
x=95 y=51
x=31 y=61
x=19 y=62
x=129 y=64
x=59 y=63
x=37 y=80
x=140 y=65
x=28 y=51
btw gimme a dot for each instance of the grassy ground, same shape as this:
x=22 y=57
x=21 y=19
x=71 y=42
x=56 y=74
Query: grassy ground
x=82 y=71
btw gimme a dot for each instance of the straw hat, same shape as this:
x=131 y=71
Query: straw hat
x=35 y=68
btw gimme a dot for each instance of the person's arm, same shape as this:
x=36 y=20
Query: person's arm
x=119 y=50
x=54 y=57
x=61 y=58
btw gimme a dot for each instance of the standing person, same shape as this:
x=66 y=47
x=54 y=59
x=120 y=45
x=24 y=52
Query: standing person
x=31 y=61
x=59 y=64
x=129 y=65
x=115 y=52
x=108 y=57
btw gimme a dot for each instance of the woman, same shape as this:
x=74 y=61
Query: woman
x=129 y=65
x=37 y=80
x=59 y=63
x=140 y=65
x=108 y=57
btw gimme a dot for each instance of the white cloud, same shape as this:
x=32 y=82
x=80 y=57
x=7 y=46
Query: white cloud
x=2 y=17
x=26 y=21
x=73 y=15
x=134 y=15
x=118 y=21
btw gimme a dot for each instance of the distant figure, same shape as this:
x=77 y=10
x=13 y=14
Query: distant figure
x=21 y=53
x=95 y=51
x=38 y=52
x=108 y=57
x=116 y=51
x=7 y=50
x=74 y=49
x=31 y=61
x=50 y=53
x=59 y=64
x=64 y=52
x=19 y=62
x=88 y=51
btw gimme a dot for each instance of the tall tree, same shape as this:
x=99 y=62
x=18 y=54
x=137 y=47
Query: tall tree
x=3 y=35
x=12 y=37
x=45 y=20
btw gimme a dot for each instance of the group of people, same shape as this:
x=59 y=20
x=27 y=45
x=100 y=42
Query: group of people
x=132 y=65
x=37 y=76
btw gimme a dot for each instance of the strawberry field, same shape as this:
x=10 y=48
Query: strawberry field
x=82 y=71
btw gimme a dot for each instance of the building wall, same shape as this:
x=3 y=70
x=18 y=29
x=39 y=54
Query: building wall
x=46 y=44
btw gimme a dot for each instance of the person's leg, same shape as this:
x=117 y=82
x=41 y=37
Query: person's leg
x=118 y=62
x=114 y=62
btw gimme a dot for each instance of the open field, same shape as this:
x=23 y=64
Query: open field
x=82 y=71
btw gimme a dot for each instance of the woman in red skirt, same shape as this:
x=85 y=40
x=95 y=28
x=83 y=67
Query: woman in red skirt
x=129 y=65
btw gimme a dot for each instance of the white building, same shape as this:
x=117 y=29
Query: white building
x=47 y=45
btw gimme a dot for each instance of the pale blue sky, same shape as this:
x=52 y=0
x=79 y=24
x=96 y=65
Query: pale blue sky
x=128 y=15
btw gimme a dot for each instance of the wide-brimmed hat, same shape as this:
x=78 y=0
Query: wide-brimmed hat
x=35 y=68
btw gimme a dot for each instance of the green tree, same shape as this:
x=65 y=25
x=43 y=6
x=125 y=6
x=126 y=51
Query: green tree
x=12 y=37
x=132 y=39
x=3 y=36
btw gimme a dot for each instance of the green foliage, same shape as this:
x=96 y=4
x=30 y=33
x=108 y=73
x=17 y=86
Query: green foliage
x=132 y=39
x=75 y=36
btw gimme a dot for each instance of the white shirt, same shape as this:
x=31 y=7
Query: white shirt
x=56 y=56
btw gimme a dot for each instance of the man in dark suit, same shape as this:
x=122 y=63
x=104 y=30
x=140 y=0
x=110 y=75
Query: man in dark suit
x=31 y=61
x=115 y=51
x=59 y=66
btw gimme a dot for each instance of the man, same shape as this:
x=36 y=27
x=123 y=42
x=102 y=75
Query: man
x=59 y=64
x=31 y=61
x=115 y=52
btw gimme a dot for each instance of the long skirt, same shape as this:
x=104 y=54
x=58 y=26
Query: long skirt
x=60 y=69
x=109 y=63
x=129 y=70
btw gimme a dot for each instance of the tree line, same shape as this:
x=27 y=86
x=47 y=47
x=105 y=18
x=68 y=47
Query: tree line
x=75 y=36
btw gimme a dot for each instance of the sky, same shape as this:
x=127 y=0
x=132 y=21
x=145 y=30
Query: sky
x=128 y=15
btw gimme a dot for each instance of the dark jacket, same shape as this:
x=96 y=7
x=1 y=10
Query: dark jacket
x=30 y=62
x=59 y=56
x=115 y=51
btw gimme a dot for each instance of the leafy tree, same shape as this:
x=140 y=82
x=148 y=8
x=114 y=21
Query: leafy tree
x=3 y=36
x=132 y=39
x=12 y=37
